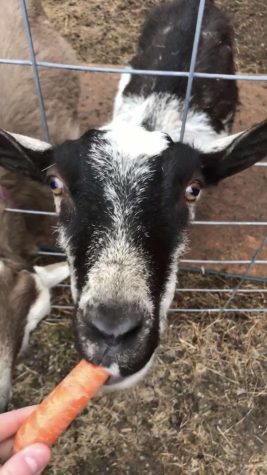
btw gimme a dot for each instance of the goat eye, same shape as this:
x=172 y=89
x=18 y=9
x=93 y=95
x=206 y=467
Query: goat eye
x=192 y=192
x=56 y=185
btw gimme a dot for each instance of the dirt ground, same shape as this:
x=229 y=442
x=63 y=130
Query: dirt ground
x=106 y=32
x=203 y=408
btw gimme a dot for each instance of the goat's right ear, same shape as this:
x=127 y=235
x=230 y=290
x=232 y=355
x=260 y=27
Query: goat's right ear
x=24 y=155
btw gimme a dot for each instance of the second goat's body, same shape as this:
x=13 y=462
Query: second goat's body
x=24 y=294
x=156 y=102
x=19 y=109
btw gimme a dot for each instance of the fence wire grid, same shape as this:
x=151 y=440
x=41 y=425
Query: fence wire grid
x=191 y=74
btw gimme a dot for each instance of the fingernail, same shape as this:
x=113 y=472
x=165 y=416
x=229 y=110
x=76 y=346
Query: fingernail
x=36 y=457
x=32 y=464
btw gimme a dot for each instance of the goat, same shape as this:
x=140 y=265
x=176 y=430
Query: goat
x=19 y=107
x=24 y=293
x=123 y=191
x=61 y=89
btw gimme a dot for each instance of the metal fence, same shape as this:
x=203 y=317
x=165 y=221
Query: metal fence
x=191 y=74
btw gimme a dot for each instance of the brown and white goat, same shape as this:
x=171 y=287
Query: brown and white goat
x=122 y=192
x=24 y=293
x=19 y=110
x=61 y=88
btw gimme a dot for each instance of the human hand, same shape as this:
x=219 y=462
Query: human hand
x=29 y=461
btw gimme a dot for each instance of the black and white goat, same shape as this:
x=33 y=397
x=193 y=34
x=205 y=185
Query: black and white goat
x=122 y=191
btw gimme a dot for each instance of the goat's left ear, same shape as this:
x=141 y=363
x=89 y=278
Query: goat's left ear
x=233 y=154
x=24 y=155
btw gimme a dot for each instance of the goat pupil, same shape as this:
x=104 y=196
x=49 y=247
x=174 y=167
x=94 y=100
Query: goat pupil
x=53 y=184
x=195 y=191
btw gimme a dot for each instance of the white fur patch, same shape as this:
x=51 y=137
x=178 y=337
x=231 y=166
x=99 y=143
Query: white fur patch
x=123 y=82
x=165 y=111
x=223 y=142
x=133 y=141
x=166 y=30
x=64 y=243
x=53 y=274
x=45 y=278
x=129 y=381
x=5 y=381
x=168 y=295
x=57 y=201
x=38 y=310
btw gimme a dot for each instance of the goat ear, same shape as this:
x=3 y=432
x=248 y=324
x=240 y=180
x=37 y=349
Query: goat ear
x=24 y=155
x=233 y=154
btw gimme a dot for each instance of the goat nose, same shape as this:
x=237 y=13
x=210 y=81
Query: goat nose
x=113 y=323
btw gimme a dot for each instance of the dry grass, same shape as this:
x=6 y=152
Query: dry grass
x=202 y=410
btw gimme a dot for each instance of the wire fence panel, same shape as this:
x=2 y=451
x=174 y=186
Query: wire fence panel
x=192 y=67
x=198 y=223
x=138 y=72
x=191 y=75
x=35 y=71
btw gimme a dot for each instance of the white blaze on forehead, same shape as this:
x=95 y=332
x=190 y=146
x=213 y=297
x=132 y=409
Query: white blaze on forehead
x=133 y=141
x=120 y=272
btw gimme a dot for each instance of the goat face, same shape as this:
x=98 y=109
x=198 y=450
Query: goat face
x=121 y=197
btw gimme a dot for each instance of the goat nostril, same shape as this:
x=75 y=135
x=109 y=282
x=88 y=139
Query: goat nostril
x=114 y=334
x=98 y=331
x=132 y=332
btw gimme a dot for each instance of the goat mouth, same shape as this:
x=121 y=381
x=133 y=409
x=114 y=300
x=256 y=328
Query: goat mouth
x=117 y=382
x=113 y=380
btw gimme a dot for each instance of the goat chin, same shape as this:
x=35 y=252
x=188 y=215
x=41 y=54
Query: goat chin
x=127 y=382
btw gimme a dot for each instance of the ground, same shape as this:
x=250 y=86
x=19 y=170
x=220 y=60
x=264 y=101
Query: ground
x=106 y=32
x=202 y=410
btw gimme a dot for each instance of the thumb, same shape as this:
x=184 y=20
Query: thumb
x=30 y=461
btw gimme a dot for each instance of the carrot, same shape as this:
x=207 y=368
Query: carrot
x=60 y=408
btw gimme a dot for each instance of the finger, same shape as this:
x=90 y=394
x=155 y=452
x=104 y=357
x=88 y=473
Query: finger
x=30 y=461
x=6 y=449
x=11 y=421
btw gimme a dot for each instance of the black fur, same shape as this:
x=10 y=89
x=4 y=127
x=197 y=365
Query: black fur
x=27 y=162
x=247 y=149
x=172 y=51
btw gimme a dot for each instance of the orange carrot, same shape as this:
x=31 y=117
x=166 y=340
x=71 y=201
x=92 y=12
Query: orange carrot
x=61 y=407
